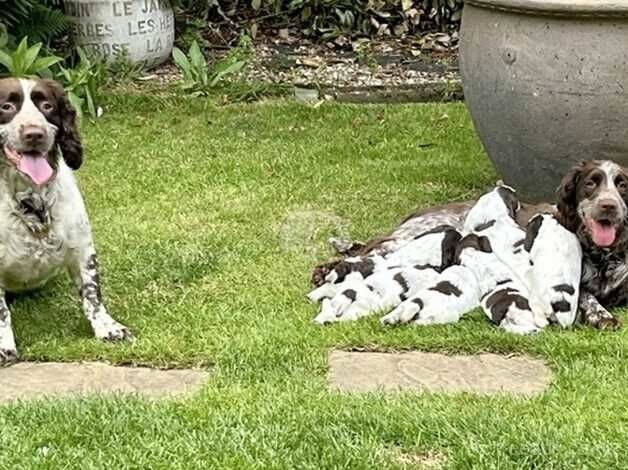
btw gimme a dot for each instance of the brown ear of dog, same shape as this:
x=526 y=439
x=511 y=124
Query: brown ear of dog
x=68 y=137
x=566 y=201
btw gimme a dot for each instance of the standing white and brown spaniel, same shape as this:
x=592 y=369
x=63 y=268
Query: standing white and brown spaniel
x=43 y=221
x=592 y=202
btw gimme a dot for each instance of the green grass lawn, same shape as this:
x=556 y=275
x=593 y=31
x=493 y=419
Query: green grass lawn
x=208 y=220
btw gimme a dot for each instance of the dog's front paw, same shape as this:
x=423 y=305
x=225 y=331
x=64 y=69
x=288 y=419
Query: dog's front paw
x=389 y=320
x=407 y=312
x=113 y=332
x=608 y=323
x=601 y=319
x=326 y=291
x=8 y=356
x=392 y=318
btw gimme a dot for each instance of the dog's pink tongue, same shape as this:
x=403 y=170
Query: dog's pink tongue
x=603 y=234
x=37 y=167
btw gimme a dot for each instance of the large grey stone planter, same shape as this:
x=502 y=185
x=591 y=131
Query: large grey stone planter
x=546 y=83
x=140 y=31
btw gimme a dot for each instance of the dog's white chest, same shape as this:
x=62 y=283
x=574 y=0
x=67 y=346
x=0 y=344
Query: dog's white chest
x=40 y=230
x=27 y=259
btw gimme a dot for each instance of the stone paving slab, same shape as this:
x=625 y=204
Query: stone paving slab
x=28 y=380
x=421 y=371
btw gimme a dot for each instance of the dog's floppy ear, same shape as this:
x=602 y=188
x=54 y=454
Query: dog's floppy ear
x=624 y=194
x=484 y=244
x=511 y=201
x=566 y=198
x=68 y=137
x=532 y=230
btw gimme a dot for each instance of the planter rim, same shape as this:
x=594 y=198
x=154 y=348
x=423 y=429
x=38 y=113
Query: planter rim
x=588 y=8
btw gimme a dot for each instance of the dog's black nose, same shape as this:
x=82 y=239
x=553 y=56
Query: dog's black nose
x=608 y=205
x=33 y=135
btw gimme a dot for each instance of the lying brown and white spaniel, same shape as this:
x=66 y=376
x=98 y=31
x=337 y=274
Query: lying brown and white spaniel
x=43 y=221
x=592 y=203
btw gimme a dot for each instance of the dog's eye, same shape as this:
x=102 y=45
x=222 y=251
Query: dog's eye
x=621 y=184
x=8 y=107
x=590 y=184
x=46 y=106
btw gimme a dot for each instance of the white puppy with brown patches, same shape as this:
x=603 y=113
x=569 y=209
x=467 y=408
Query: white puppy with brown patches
x=554 y=277
x=480 y=279
x=381 y=291
x=514 y=275
x=44 y=226
x=482 y=275
x=359 y=286
x=454 y=293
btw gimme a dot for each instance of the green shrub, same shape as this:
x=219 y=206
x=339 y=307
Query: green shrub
x=333 y=18
x=198 y=77
x=83 y=84
x=24 y=61
x=41 y=20
x=122 y=69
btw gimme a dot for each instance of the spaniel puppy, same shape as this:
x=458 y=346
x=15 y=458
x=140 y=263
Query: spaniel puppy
x=381 y=291
x=44 y=225
x=479 y=278
x=453 y=295
x=345 y=272
x=358 y=286
x=591 y=203
x=556 y=269
x=500 y=203
x=421 y=222
x=522 y=279
x=434 y=249
x=508 y=306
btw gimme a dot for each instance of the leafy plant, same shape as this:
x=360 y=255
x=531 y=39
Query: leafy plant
x=364 y=53
x=332 y=18
x=191 y=31
x=198 y=78
x=24 y=61
x=244 y=49
x=83 y=83
x=123 y=70
x=12 y=12
x=4 y=36
x=41 y=20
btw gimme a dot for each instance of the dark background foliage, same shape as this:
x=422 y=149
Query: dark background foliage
x=43 y=20
x=40 y=20
x=329 y=18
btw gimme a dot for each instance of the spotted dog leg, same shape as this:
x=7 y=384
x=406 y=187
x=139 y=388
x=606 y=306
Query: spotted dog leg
x=560 y=303
x=326 y=291
x=8 y=351
x=85 y=275
x=594 y=314
x=352 y=303
x=381 y=291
